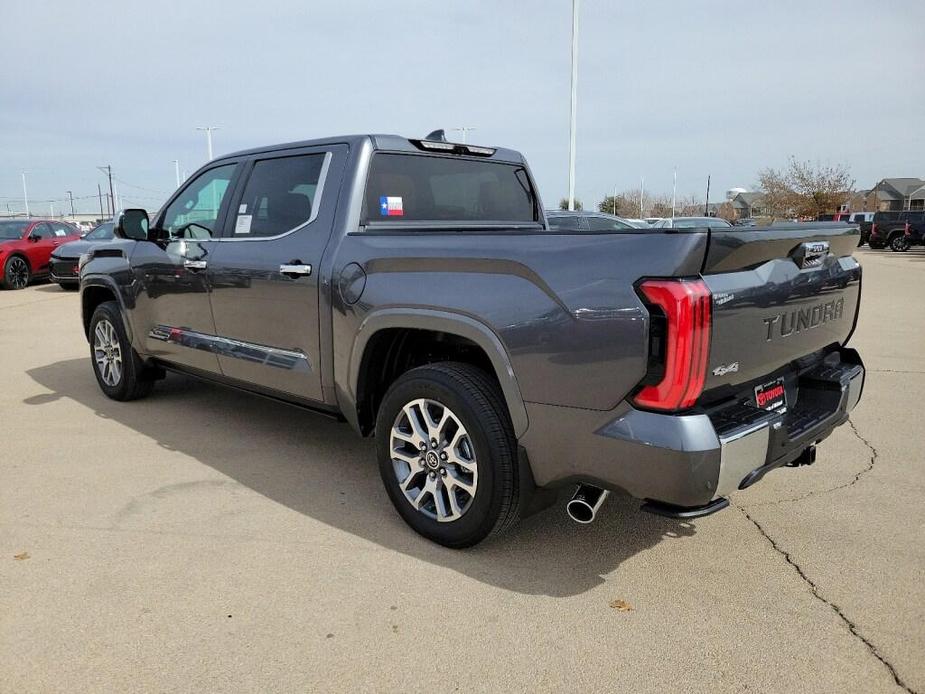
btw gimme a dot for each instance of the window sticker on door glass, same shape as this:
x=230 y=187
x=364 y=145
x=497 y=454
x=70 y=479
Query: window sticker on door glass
x=60 y=232
x=242 y=208
x=390 y=206
x=242 y=224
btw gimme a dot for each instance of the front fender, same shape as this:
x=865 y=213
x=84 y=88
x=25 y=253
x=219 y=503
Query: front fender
x=348 y=372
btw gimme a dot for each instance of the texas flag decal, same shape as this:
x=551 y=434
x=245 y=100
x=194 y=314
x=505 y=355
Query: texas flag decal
x=390 y=206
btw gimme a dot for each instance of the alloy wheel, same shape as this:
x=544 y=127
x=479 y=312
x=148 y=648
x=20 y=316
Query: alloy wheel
x=17 y=273
x=107 y=352
x=434 y=460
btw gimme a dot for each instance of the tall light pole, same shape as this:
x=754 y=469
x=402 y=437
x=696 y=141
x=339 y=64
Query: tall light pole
x=463 y=130
x=176 y=168
x=208 y=130
x=674 y=191
x=642 y=192
x=25 y=194
x=574 y=113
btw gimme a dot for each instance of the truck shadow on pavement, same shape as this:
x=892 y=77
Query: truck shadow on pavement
x=320 y=468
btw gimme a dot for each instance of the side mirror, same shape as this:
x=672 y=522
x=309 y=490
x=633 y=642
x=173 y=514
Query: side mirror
x=132 y=224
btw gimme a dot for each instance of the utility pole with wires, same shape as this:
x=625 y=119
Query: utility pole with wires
x=574 y=107
x=70 y=194
x=642 y=192
x=25 y=194
x=208 y=130
x=100 y=191
x=464 y=130
x=614 y=201
x=108 y=171
x=706 y=205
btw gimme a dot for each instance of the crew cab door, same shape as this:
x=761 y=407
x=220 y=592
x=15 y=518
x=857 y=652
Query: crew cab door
x=172 y=311
x=265 y=272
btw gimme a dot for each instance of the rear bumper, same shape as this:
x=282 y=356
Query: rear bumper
x=688 y=462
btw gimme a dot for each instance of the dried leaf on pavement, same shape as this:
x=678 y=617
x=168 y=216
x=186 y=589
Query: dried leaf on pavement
x=21 y=556
x=621 y=605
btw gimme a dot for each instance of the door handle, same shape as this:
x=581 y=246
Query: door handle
x=195 y=265
x=295 y=270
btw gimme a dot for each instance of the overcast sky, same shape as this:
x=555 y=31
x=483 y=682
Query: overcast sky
x=710 y=87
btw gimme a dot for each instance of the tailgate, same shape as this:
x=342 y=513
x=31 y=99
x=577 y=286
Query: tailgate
x=779 y=294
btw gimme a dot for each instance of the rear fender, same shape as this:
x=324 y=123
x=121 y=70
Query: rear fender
x=348 y=373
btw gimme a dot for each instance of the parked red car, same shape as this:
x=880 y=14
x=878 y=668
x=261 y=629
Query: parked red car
x=26 y=245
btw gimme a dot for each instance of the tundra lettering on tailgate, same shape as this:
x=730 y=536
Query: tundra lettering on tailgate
x=785 y=324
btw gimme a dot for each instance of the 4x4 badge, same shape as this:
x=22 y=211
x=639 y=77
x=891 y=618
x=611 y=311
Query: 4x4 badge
x=724 y=369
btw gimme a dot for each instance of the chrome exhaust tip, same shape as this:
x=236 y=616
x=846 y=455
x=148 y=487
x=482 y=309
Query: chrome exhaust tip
x=584 y=504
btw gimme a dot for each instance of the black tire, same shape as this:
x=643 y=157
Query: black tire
x=474 y=398
x=899 y=244
x=16 y=273
x=135 y=380
x=69 y=286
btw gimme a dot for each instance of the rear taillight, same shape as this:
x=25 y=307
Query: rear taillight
x=873 y=229
x=686 y=305
x=907 y=229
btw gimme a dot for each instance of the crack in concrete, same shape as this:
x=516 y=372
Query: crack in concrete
x=874 y=454
x=852 y=627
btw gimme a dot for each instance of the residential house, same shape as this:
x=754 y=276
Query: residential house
x=897 y=194
x=748 y=205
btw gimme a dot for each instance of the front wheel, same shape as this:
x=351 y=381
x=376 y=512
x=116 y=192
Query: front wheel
x=447 y=454
x=16 y=273
x=899 y=243
x=119 y=371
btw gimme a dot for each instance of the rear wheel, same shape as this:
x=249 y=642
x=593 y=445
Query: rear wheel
x=447 y=454
x=119 y=371
x=16 y=273
x=899 y=243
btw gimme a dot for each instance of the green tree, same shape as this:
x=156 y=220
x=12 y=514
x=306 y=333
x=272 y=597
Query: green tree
x=563 y=204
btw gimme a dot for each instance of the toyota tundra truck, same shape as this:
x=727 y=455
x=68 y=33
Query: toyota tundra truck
x=414 y=289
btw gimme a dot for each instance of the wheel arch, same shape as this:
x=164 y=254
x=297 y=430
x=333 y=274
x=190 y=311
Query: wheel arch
x=353 y=385
x=93 y=292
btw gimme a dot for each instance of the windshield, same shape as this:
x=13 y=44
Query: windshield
x=101 y=233
x=12 y=230
x=416 y=188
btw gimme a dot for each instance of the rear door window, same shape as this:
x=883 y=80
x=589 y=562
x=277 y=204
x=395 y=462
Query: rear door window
x=422 y=188
x=281 y=195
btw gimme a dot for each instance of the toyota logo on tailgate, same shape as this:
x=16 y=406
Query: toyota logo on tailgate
x=810 y=254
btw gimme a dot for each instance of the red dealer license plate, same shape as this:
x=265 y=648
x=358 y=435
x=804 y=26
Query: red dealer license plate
x=771 y=395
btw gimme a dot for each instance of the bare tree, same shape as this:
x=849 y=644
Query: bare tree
x=819 y=188
x=563 y=204
x=804 y=189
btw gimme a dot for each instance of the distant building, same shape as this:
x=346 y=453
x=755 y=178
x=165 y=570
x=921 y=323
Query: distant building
x=897 y=194
x=748 y=205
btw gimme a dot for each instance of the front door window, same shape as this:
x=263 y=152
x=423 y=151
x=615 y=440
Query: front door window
x=194 y=213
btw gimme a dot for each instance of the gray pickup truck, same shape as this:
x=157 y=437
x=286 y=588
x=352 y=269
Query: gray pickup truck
x=414 y=289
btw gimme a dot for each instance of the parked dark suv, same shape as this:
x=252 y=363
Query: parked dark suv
x=896 y=229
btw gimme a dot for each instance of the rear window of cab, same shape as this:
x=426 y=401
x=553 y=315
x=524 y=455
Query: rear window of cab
x=427 y=188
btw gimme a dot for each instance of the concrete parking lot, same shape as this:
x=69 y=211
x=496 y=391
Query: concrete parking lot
x=208 y=540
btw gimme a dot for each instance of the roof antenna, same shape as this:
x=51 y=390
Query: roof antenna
x=436 y=135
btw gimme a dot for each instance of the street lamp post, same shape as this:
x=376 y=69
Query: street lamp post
x=463 y=130
x=208 y=130
x=176 y=168
x=25 y=194
x=574 y=105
